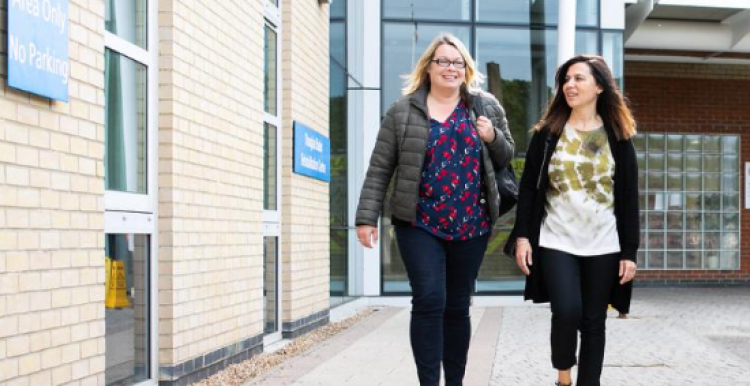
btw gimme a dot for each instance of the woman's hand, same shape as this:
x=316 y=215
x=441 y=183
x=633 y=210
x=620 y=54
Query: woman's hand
x=367 y=235
x=627 y=271
x=485 y=130
x=523 y=255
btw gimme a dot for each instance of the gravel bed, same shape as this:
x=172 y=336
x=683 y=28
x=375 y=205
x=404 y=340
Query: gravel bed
x=236 y=375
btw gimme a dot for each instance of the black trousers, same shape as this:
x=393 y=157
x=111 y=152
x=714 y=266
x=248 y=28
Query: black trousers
x=579 y=289
x=441 y=275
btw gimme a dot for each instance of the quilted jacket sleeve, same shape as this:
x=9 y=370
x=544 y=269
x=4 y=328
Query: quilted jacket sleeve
x=379 y=173
x=503 y=147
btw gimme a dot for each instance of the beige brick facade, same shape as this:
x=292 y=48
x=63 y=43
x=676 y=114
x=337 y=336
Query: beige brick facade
x=51 y=218
x=210 y=176
x=305 y=222
x=210 y=197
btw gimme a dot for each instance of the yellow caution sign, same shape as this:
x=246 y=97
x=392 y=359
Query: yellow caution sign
x=114 y=281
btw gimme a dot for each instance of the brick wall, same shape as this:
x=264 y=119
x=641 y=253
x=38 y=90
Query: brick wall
x=210 y=177
x=305 y=211
x=695 y=98
x=51 y=218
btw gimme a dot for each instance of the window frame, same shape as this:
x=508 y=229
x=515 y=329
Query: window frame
x=135 y=213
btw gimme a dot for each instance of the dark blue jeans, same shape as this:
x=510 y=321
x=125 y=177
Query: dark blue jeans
x=442 y=275
x=579 y=289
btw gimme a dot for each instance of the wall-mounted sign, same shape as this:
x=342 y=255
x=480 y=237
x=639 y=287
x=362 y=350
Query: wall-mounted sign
x=312 y=153
x=38 y=47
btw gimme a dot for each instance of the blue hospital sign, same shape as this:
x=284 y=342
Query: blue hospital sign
x=312 y=153
x=38 y=47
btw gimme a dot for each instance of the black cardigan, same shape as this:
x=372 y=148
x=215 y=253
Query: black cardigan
x=532 y=201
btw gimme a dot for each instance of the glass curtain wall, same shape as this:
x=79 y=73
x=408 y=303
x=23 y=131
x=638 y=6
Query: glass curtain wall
x=339 y=222
x=515 y=46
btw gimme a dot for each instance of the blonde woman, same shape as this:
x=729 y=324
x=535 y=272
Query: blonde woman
x=444 y=200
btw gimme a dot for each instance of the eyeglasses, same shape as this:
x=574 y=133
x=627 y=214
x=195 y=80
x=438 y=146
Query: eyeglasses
x=458 y=64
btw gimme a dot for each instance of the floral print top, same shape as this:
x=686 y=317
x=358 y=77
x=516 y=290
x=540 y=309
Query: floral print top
x=450 y=202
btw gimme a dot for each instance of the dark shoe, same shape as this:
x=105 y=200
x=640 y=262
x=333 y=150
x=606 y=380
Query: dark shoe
x=563 y=384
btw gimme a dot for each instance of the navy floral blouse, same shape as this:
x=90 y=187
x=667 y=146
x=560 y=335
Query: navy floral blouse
x=450 y=189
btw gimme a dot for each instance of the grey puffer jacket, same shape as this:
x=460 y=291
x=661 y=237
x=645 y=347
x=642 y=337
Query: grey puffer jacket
x=400 y=148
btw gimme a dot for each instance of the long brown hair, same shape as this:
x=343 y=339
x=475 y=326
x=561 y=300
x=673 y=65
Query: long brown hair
x=610 y=104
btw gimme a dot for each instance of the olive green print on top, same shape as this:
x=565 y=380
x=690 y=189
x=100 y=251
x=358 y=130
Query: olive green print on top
x=580 y=215
x=583 y=163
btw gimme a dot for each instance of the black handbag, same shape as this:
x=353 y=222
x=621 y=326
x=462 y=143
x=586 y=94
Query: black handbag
x=505 y=177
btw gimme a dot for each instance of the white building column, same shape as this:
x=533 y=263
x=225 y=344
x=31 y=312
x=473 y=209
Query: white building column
x=566 y=31
x=363 y=46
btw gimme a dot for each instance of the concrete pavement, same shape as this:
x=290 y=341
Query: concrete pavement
x=688 y=336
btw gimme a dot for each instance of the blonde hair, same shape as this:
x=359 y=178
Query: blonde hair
x=419 y=76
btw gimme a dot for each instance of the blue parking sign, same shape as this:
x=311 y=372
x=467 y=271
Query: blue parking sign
x=38 y=47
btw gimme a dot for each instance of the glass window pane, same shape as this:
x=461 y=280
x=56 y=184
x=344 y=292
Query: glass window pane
x=731 y=221
x=693 y=163
x=712 y=182
x=587 y=42
x=656 y=161
x=693 y=182
x=655 y=260
x=693 y=143
x=125 y=124
x=126 y=309
x=731 y=202
x=427 y=9
x=656 y=181
x=270 y=283
x=517 y=11
x=402 y=47
x=693 y=240
x=675 y=201
x=712 y=221
x=674 y=181
x=534 y=12
x=674 y=240
x=127 y=19
x=674 y=162
x=337 y=9
x=674 y=259
x=731 y=164
x=712 y=201
x=339 y=267
x=693 y=221
x=730 y=144
x=655 y=240
x=674 y=143
x=693 y=202
x=730 y=240
x=270 y=167
x=655 y=143
x=675 y=221
x=711 y=240
x=711 y=163
x=711 y=143
x=270 y=71
x=519 y=66
x=729 y=260
x=656 y=220
x=639 y=141
x=612 y=51
x=395 y=279
x=730 y=183
x=711 y=259
x=693 y=259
